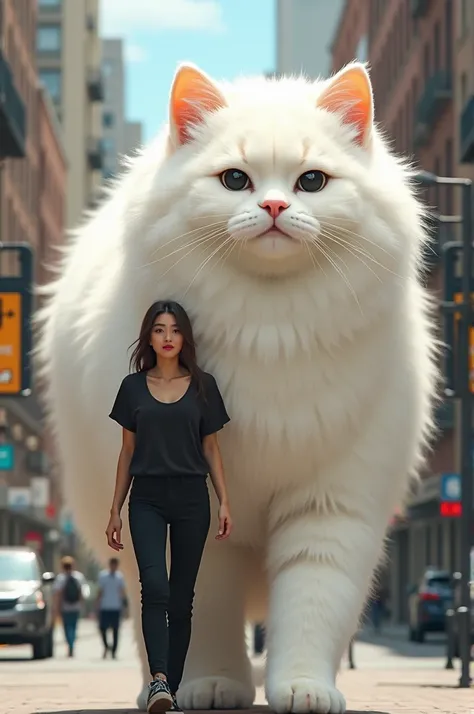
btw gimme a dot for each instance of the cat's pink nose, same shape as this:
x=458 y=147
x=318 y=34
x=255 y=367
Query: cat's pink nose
x=274 y=206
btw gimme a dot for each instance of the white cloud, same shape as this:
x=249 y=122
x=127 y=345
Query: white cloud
x=134 y=53
x=119 y=17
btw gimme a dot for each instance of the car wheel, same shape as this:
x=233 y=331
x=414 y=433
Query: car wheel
x=41 y=647
x=411 y=634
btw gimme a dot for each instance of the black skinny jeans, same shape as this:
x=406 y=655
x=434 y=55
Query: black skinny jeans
x=183 y=504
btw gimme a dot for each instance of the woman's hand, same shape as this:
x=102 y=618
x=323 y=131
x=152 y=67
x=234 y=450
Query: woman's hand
x=113 y=532
x=225 y=522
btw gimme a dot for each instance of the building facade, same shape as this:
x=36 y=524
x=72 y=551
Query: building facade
x=68 y=49
x=120 y=136
x=32 y=204
x=304 y=29
x=133 y=136
x=421 y=58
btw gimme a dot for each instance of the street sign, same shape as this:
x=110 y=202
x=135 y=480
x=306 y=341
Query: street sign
x=19 y=498
x=453 y=262
x=7 y=454
x=457 y=297
x=450 y=487
x=10 y=342
x=450 y=509
x=16 y=305
x=450 y=495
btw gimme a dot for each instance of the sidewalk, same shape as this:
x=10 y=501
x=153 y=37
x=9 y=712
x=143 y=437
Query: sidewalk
x=407 y=691
x=381 y=684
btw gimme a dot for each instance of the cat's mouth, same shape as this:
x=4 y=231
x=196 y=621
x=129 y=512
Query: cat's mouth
x=274 y=231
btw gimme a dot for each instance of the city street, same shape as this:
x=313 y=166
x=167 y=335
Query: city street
x=393 y=676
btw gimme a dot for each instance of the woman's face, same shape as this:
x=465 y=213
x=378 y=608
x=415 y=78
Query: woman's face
x=166 y=338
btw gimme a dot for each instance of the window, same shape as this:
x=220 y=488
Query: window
x=51 y=79
x=49 y=3
x=463 y=18
x=437 y=47
x=426 y=62
x=108 y=119
x=48 y=38
x=108 y=67
x=109 y=145
x=463 y=87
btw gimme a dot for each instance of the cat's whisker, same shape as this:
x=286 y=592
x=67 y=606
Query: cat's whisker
x=335 y=227
x=201 y=240
x=183 y=235
x=225 y=255
x=206 y=261
x=215 y=238
x=325 y=251
x=313 y=258
x=353 y=250
x=358 y=249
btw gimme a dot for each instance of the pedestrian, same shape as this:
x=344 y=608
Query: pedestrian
x=69 y=589
x=110 y=603
x=170 y=411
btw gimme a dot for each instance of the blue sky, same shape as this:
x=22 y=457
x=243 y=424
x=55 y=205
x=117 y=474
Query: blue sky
x=224 y=37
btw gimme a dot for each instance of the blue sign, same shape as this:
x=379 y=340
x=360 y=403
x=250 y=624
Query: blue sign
x=450 y=489
x=6 y=457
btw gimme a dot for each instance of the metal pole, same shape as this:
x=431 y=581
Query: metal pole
x=351 y=654
x=463 y=613
x=450 y=614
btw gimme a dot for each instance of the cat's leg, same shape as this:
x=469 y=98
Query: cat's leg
x=321 y=563
x=218 y=673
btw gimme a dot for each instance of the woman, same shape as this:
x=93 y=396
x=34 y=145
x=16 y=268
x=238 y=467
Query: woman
x=170 y=411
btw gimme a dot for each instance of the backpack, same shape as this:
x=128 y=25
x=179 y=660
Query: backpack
x=72 y=590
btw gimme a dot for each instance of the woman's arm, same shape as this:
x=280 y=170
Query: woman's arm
x=122 y=485
x=123 y=478
x=213 y=456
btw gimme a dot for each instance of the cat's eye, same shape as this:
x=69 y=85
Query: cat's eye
x=312 y=181
x=235 y=180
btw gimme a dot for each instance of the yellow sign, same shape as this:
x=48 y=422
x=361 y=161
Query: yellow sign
x=457 y=317
x=10 y=343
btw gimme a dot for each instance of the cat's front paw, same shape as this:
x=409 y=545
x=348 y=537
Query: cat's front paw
x=304 y=696
x=215 y=693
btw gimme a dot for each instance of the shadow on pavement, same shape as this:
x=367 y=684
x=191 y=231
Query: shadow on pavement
x=396 y=640
x=254 y=710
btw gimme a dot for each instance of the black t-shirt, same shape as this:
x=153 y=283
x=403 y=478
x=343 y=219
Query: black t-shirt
x=168 y=437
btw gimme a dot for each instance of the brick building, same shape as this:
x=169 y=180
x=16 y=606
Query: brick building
x=421 y=61
x=32 y=197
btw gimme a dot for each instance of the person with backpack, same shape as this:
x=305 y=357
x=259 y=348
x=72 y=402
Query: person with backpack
x=69 y=597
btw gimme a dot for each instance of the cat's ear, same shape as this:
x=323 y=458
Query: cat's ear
x=192 y=94
x=349 y=94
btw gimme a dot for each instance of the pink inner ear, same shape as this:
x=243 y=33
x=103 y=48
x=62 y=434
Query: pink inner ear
x=192 y=95
x=350 y=96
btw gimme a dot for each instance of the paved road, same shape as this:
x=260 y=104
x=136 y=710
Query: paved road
x=392 y=676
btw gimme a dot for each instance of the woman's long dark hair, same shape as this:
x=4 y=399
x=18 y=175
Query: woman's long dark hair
x=143 y=357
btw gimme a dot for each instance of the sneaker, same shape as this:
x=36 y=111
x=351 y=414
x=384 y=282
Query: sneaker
x=175 y=706
x=159 y=697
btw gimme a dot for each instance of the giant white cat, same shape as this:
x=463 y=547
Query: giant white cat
x=274 y=211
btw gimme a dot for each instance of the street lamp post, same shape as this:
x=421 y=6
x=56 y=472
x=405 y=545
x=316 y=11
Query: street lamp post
x=463 y=392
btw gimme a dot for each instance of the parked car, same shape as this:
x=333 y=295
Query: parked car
x=26 y=601
x=428 y=602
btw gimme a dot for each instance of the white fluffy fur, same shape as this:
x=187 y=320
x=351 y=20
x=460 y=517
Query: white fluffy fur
x=324 y=357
